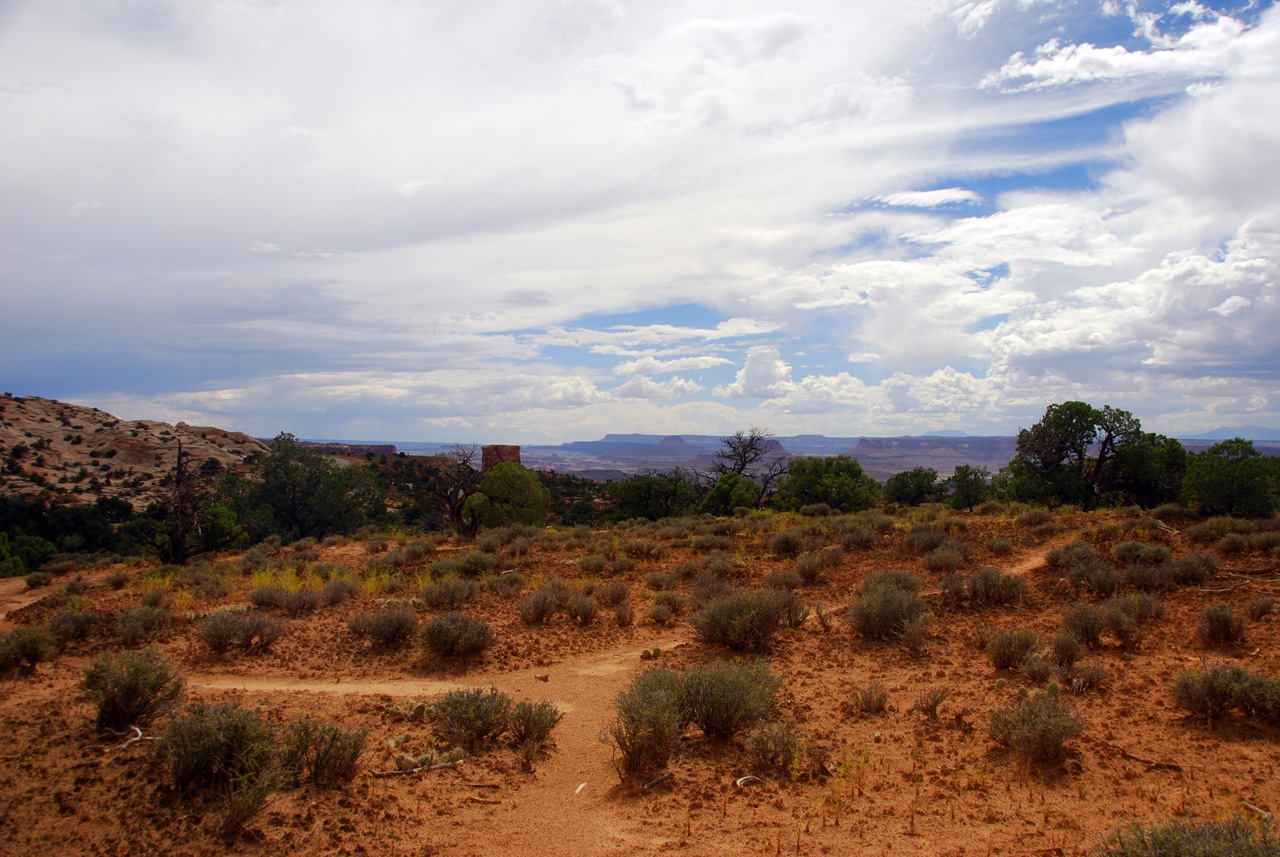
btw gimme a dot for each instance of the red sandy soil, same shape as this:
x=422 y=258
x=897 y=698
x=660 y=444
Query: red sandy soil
x=895 y=783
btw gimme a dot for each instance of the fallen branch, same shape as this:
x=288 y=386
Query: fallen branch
x=1259 y=810
x=137 y=736
x=410 y=771
x=653 y=782
x=1152 y=764
x=483 y=785
x=474 y=799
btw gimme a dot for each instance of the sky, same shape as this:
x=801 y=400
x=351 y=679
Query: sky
x=539 y=221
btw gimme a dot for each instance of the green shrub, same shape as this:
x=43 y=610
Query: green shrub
x=1037 y=668
x=1133 y=553
x=1232 y=543
x=915 y=634
x=873 y=700
x=624 y=614
x=448 y=594
x=887 y=603
x=1148 y=578
x=141 y=623
x=708 y=587
x=220 y=630
x=993 y=586
x=745 y=621
x=857 y=537
x=710 y=542
x=1085 y=622
x=582 y=610
x=117 y=580
x=1142 y=607
x=649 y=722
x=1034 y=518
x=471 y=718
x=24 y=648
x=945 y=559
x=788 y=542
x=475 y=563
x=1220 y=626
x=1070 y=555
x=301 y=601
x=613 y=593
x=539 y=607
x=1260 y=607
x=1216 y=528
x=1096 y=576
x=784 y=578
x=593 y=563
x=337 y=591
x=1214 y=692
x=457 y=635
x=507 y=585
x=321 y=753
x=1037 y=727
x=673 y=601
x=226 y=748
x=386 y=628
x=1065 y=649
x=999 y=545
x=1008 y=650
x=725 y=698
x=531 y=724
x=1083 y=678
x=36 y=579
x=657 y=581
x=67 y=625
x=829 y=557
x=775 y=748
x=268 y=597
x=927 y=701
x=925 y=537
x=131 y=688
x=1233 y=837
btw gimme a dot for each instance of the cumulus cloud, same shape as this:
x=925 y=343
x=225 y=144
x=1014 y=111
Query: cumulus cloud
x=764 y=375
x=642 y=387
x=655 y=366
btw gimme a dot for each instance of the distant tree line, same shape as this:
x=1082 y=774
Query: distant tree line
x=1076 y=454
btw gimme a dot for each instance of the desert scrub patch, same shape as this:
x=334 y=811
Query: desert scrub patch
x=648 y=723
x=322 y=754
x=301 y=601
x=993 y=586
x=24 y=648
x=1072 y=554
x=1217 y=527
x=1259 y=607
x=776 y=748
x=593 y=563
x=449 y=594
x=657 y=581
x=710 y=542
x=1231 y=837
x=1034 y=518
x=888 y=601
x=1214 y=692
x=1037 y=727
x=386 y=627
x=224 y=630
x=268 y=597
x=1144 y=553
x=789 y=542
x=1085 y=622
x=871 y=700
x=117 y=580
x=1009 y=649
x=540 y=606
x=945 y=559
x=456 y=635
x=925 y=537
x=726 y=698
x=531 y=724
x=472 y=718
x=70 y=624
x=745 y=621
x=141 y=623
x=131 y=688
x=928 y=700
x=673 y=601
x=1219 y=626
x=581 y=609
x=506 y=585
x=337 y=591
x=999 y=545
x=613 y=593
x=783 y=578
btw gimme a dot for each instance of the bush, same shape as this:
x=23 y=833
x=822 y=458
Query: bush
x=131 y=688
x=582 y=609
x=927 y=701
x=1234 y=837
x=539 y=607
x=993 y=586
x=1065 y=649
x=337 y=591
x=725 y=698
x=887 y=604
x=457 y=635
x=1256 y=608
x=475 y=563
x=1220 y=626
x=925 y=537
x=386 y=628
x=1034 y=518
x=226 y=748
x=24 y=648
x=68 y=625
x=783 y=579
x=301 y=601
x=1097 y=577
x=36 y=579
x=945 y=559
x=775 y=748
x=873 y=700
x=140 y=623
x=1086 y=677
x=649 y=723
x=472 y=718
x=624 y=614
x=593 y=563
x=745 y=621
x=1037 y=728
x=1084 y=622
x=999 y=545
x=117 y=580
x=710 y=542
x=1212 y=693
x=507 y=585
x=268 y=597
x=448 y=594
x=321 y=753
x=656 y=581
x=1133 y=553
x=613 y=593
x=1076 y=553
x=1008 y=650
x=220 y=630
x=788 y=542
x=532 y=723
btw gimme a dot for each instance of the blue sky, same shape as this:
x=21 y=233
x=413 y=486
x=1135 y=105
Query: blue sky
x=544 y=220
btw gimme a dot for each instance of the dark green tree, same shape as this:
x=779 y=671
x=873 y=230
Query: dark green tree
x=731 y=491
x=1149 y=470
x=188 y=521
x=654 y=495
x=1231 y=478
x=967 y=487
x=755 y=455
x=510 y=494
x=912 y=487
x=309 y=494
x=1068 y=456
x=838 y=481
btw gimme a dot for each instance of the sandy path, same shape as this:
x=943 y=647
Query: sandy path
x=583 y=687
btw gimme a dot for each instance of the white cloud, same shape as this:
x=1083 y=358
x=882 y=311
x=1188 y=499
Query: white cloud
x=264 y=247
x=930 y=198
x=764 y=375
x=642 y=387
x=655 y=366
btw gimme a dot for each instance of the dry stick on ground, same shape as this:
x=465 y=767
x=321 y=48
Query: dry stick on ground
x=419 y=770
x=474 y=799
x=1259 y=810
x=1152 y=764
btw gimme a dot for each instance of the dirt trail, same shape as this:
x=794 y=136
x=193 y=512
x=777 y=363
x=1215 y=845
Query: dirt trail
x=553 y=809
x=14 y=594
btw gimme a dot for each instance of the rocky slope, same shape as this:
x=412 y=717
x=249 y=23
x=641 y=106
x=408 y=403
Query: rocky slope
x=74 y=454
